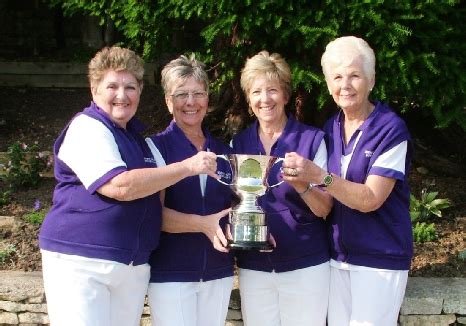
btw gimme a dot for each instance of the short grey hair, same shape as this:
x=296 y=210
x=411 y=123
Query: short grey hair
x=347 y=48
x=182 y=68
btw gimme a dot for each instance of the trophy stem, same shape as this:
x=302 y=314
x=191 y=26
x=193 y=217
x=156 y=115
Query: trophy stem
x=248 y=203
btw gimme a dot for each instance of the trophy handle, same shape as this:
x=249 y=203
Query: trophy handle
x=224 y=157
x=272 y=163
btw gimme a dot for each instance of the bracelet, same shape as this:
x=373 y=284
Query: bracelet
x=309 y=187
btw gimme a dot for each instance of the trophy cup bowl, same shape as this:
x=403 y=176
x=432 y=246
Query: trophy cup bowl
x=247 y=227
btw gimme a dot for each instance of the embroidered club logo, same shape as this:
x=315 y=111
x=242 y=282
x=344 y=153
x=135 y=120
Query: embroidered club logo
x=149 y=160
x=368 y=153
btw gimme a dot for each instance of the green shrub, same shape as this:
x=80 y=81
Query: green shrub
x=6 y=252
x=421 y=210
x=36 y=217
x=462 y=255
x=24 y=166
x=5 y=197
x=427 y=206
x=423 y=232
x=416 y=41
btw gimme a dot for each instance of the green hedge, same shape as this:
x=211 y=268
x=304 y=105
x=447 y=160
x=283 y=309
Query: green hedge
x=419 y=45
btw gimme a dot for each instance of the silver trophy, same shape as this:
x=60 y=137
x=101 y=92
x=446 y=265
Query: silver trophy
x=247 y=228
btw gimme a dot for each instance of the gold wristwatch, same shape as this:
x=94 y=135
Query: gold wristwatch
x=328 y=180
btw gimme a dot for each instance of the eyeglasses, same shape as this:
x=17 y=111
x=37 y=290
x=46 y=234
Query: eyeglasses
x=183 y=96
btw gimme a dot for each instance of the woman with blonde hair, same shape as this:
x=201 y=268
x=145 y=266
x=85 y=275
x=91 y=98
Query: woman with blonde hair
x=289 y=285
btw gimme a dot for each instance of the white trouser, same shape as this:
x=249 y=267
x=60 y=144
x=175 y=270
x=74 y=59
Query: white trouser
x=365 y=297
x=86 y=292
x=294 y=298
x=190 y=303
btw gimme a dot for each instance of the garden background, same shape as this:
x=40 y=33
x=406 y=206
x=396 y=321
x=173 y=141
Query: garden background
x=420 y=69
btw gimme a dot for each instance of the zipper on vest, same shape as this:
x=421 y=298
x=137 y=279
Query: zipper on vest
x=204 y=264
x=343 y=249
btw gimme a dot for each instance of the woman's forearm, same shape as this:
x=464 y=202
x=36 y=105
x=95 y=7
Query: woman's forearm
x=320 y=202
x=176 y=222
x=365 y=197
x=139 y=183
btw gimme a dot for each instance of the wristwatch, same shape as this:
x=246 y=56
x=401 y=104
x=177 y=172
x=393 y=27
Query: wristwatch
x=328 y=180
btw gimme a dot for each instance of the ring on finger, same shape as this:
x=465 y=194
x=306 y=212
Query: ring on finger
x=292 y=172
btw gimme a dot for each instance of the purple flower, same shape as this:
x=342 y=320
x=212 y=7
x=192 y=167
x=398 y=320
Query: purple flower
x=37 y=205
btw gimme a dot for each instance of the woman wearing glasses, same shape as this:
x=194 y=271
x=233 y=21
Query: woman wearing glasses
x=191 y=280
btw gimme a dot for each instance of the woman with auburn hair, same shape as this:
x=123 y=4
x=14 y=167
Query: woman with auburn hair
x=106 y=214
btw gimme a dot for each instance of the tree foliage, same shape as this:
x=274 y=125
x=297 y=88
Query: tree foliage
x=419 y=45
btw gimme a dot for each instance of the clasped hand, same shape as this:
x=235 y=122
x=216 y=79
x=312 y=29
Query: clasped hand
x=203 y=163
x=299 y=171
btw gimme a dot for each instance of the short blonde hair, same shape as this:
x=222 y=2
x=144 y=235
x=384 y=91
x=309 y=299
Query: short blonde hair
x=272 y=66
x=346 y=49
x=182 y=68
x=117 y=59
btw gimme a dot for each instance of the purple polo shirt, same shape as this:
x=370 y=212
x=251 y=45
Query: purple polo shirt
x=300 y=235
x=190 y=257
x=382 y=238
x=85 y=223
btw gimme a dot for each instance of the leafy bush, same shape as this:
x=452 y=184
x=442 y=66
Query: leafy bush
x=427 y=206
x=24 y=166
x=418 y=42
x=36 y=217
x=422 y=210
x=6 y=252
x=5 y=197
x=462 y=255
x=423 y=232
